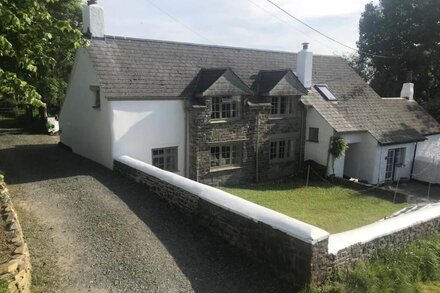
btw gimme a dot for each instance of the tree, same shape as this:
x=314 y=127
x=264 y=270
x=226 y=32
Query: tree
x=397 y=36
x=38 y=40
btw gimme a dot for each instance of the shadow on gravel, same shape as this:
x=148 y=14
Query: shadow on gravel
x=208 y=262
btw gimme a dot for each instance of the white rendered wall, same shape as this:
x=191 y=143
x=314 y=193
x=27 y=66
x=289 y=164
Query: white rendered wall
x=140 y=126
x=400 y=172
x=93 y=20
x=83 y=128
x=427 y=162
x=317 y=151
x=360 y=160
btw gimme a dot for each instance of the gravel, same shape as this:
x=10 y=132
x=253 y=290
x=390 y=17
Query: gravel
x=91 y=230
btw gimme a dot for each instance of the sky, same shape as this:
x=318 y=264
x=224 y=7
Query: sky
x=239 y=23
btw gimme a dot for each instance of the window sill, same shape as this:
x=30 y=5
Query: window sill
x=220 y=121
x=315 y=141
x=221 y=169
x=282 y=161
x=96 y=107
x=282 y=117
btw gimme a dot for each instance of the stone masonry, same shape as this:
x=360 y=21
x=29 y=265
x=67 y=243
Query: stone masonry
x=255 y=123
x=16 y=271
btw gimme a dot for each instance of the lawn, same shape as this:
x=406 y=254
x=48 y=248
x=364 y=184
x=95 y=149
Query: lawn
x=332 y=208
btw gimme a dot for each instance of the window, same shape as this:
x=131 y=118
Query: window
x=225 y=107
x=225 y=156
x=325 y=92
x=281 y=149
x=165 y=158
x=281 y=105
x=97 y=96
x=314 y=134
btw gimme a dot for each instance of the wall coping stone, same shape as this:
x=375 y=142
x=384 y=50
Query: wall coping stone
x=340 y=241
x=295 y=228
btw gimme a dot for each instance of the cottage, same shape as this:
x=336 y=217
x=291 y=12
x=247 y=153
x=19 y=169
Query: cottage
x=221 y=115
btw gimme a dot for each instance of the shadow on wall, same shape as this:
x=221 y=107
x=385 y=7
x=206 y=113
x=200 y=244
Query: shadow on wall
x=207 y=261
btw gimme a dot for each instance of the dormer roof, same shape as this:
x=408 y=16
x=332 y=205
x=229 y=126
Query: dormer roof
x=223 y=81
x=279 y=83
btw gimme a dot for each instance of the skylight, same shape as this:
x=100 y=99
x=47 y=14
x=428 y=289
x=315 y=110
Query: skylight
x=325 y=92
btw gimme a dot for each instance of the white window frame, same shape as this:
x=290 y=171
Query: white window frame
x=309 y=137
x=277 y=101
x=282 y=150
x=225 y=107
x=169 y=157
x=225 y=155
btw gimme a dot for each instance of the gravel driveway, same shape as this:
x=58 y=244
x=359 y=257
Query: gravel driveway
x=91 y=230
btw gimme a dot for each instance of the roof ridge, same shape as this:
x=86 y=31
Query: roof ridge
x=109 y=37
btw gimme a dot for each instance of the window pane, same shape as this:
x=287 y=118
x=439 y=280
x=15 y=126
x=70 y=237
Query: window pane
x=274 y=102
x=281 y=149
x=283 y=105
x=273 y=150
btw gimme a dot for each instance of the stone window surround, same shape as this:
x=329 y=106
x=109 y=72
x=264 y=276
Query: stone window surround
x=289 y=140
x=290 y=107
x=236 y=100
x=239 y=155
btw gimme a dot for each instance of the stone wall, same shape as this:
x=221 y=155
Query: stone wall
x=16 y=271
x=252 y=131
x=289 y=256
x=301 y=253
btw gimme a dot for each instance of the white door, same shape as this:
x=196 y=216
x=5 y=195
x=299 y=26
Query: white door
x=389 y=171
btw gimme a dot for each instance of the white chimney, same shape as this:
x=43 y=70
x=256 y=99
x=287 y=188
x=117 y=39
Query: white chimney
x=407 y=91
x=93 y=19
x=304 y=66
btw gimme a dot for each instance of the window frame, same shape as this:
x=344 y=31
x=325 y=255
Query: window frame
x=221 y=110
x=326 y=92
x=285 y=146
x=165 y=155
x=231 y=153
x=97 y=96
x=277 y=105
x=399 y=157
x=309 y=137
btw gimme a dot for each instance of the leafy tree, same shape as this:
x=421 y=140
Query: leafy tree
x=408 y=32
x=38 y=40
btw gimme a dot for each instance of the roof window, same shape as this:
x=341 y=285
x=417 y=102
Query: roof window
x=325 y=92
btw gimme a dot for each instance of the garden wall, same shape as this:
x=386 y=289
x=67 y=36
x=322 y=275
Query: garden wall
x=296 y=251
x=292 y=248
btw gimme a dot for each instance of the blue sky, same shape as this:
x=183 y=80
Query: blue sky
x=238 y=23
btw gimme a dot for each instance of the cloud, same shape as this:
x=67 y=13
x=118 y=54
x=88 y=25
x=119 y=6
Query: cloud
x=241 y=23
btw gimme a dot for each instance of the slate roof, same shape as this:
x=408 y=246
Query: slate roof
x=213 y=82
x=279 y=83
x=134 y=68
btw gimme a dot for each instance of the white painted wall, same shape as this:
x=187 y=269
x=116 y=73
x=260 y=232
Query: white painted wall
x=83 y=128
x=401 y=172
x=427 y=162
x=317 y=151
x=361 y=157
x=140 y=126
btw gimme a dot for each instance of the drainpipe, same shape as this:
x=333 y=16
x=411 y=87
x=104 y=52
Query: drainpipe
x=413 y=161
x=186 y=138
x=301 y=139
x=257 y=149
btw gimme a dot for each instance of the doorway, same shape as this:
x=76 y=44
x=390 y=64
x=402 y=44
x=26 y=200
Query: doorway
x=395 y=158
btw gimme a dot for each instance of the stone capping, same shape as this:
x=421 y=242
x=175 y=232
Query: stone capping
x=16 y=271
x=295 y=228
x=380 y=229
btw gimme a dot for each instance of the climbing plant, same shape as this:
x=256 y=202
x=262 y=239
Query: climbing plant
x=338 y=146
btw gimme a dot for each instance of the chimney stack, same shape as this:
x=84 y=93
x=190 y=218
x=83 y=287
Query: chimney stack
x=408 y=91
x=304 y=66
x=93 y=20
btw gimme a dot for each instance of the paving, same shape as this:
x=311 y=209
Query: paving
x=91 y=230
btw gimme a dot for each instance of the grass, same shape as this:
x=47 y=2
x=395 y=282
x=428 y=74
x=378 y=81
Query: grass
x=332 y=208
x=415 y=268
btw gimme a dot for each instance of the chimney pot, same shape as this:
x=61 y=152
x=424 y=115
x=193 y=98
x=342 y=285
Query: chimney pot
x=91 y=2
x=305 y=46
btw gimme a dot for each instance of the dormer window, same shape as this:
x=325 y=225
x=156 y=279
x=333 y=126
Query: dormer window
x=96 y=96
x=325 y=92
x=225 y=107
